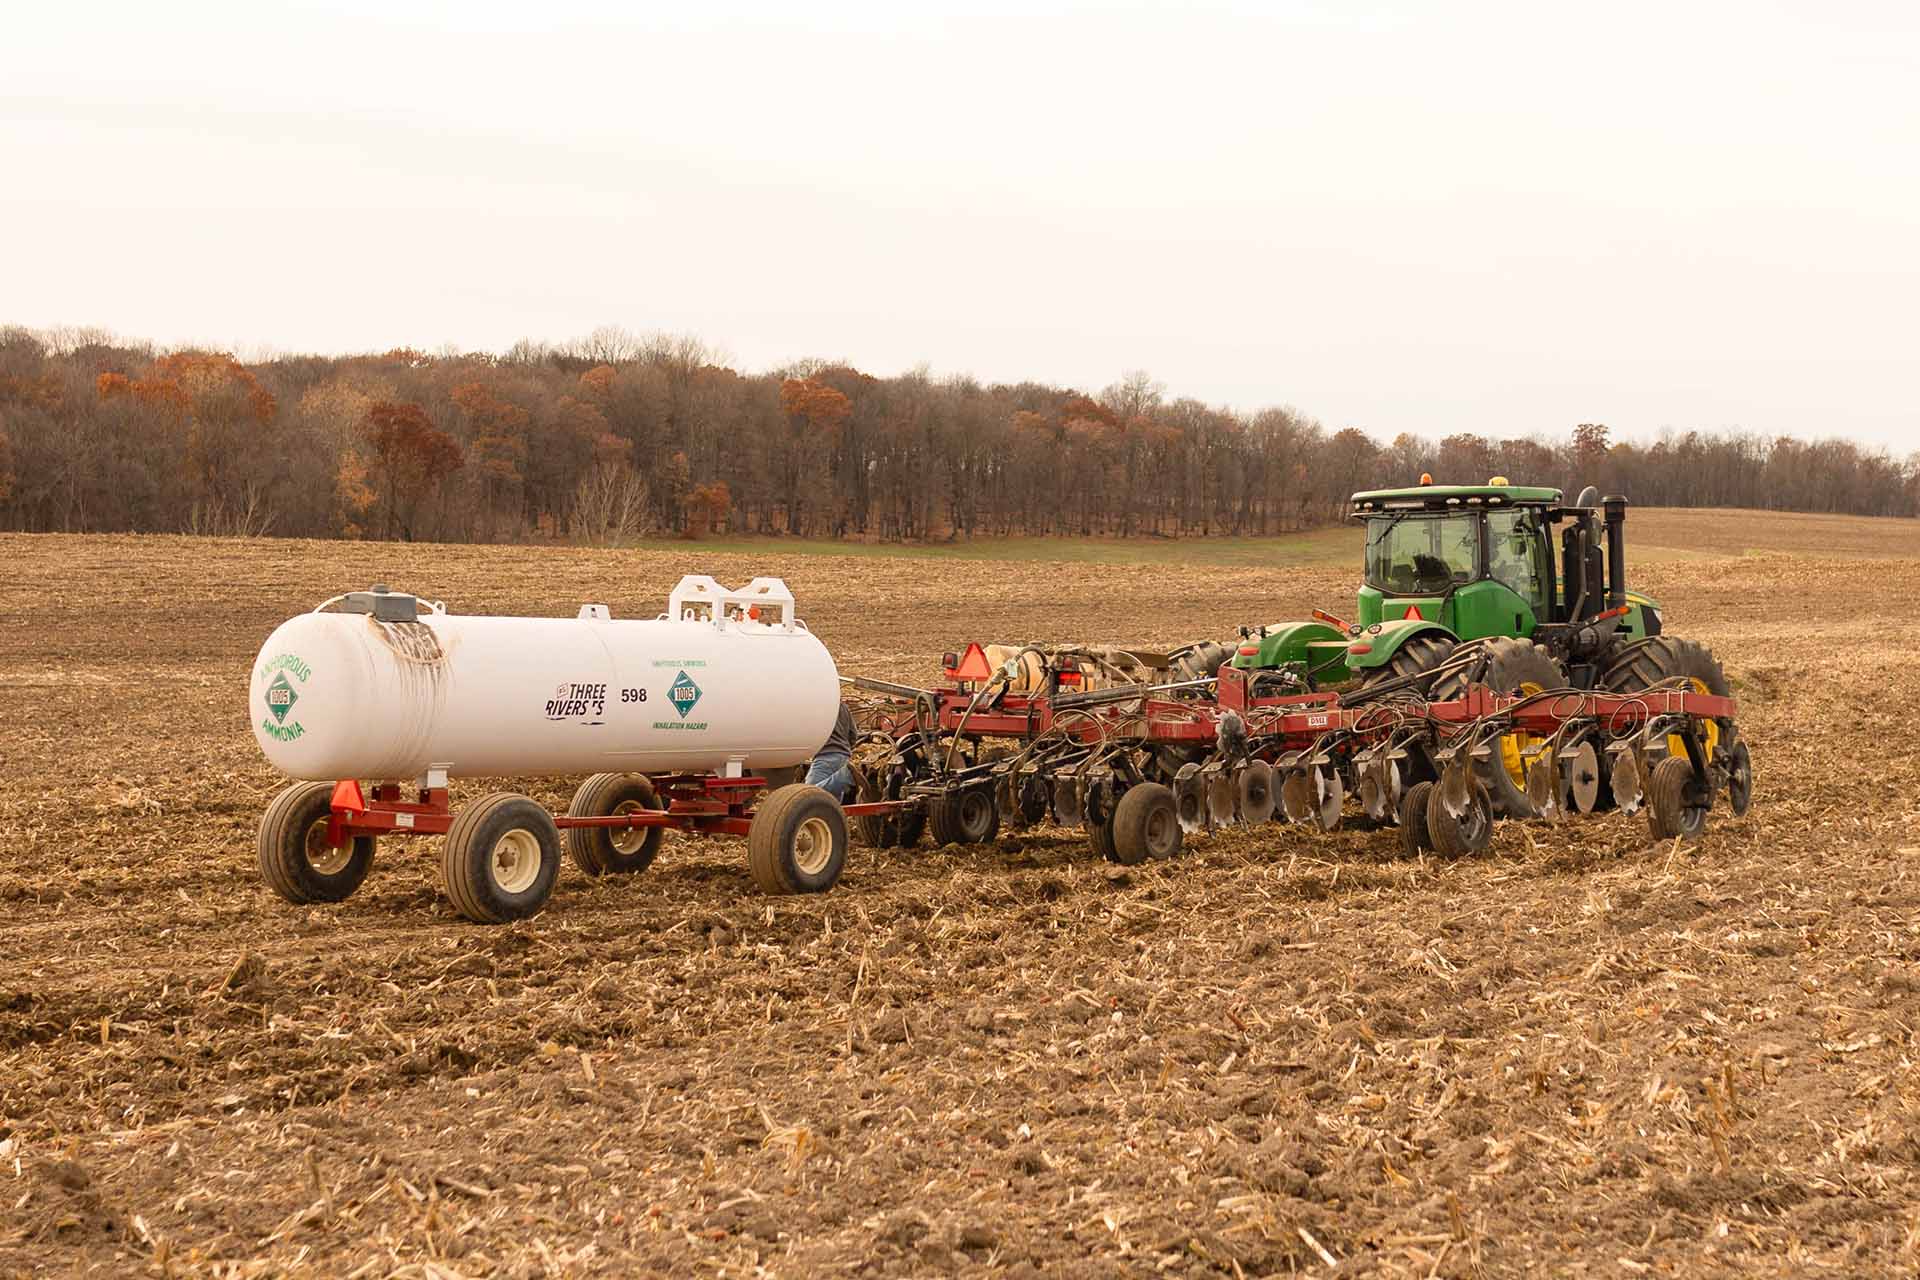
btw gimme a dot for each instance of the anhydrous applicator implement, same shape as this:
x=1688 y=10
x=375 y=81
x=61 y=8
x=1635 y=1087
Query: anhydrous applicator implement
x=1485 y=678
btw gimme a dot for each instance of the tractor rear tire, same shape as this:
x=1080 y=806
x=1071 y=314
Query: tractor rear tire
x=1145 y=825
x=797 y=841
x=295 y=859
x=1642 y=664
x=1417 y=656
x=600 y=851
x=966 y=817
x=1507 y=665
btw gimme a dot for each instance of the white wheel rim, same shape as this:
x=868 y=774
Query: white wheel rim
x=514 y=863
x=628 y=839
x=323 y=857
x=813 y=846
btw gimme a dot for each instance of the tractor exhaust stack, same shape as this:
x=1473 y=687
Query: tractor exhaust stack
x=1616 y=508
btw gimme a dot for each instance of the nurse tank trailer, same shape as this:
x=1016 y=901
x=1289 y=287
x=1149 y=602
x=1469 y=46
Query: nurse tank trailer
x=376 y=699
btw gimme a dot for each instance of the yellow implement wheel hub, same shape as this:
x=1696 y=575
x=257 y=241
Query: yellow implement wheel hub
x=1518 y=750
x=1709 y=730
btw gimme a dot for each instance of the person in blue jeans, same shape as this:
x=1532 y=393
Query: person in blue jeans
x=830 y=770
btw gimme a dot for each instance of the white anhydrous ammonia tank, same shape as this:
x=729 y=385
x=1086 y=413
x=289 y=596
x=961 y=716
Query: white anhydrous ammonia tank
x=381 y=686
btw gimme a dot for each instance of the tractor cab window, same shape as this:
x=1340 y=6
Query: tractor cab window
x=1517 y=556
x=1414 y=553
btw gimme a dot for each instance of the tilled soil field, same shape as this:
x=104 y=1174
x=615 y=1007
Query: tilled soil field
x=1582 y=1053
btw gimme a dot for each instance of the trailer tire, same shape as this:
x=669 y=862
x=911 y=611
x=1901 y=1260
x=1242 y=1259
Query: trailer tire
x=598 y=851
x=295 y=859
x=797 y=841
x=1512 y=665
x=1415 y=838
x=1145 y=825
x=965 y=817
x=1458 y=836
x=1677 y=800
x=501 y=858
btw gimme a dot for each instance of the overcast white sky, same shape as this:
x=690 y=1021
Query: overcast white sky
x=1503 y=217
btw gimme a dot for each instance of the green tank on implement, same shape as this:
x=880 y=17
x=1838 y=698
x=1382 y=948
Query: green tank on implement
x=1501 y=585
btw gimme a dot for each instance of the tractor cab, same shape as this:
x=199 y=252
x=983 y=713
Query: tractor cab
x=1476 y=560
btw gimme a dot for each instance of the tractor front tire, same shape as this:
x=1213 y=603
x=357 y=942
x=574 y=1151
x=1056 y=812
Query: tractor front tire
x=1508 y=665
x=1418 y=656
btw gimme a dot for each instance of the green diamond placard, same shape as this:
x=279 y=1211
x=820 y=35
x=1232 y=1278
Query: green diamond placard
x=683 y=693
x=280 y=698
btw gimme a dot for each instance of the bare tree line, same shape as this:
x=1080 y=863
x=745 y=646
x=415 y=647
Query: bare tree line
x=617 y=436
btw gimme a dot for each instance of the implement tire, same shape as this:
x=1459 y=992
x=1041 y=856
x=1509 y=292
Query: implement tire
x=600 y=851
x=295 y=859
x=971 y=816
x=1677 y=801
x=797 y=841
x=1507 y=665
x=1419 y=655
x=1145 y=825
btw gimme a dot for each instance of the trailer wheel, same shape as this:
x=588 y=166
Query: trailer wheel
x=1455 y=836
x=797 y=842
x=295 y=859
x=1678 y=800
x=965 y=817
x=1414 y=835
x=501 y=858
x=600 y=850
x=900 y=829
x=1145 y=824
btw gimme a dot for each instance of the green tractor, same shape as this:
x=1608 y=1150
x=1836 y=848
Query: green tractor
x=1463 y=586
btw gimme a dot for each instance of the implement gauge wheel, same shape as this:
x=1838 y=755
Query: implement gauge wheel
x=1739 y=779
x=966 y=817
x=602 y=850
x=1469 y=832
x=797 y=842
x=295 y=859
x=1145 y=825
x=1414 y=835
x=1678 y=800
x=501 y=858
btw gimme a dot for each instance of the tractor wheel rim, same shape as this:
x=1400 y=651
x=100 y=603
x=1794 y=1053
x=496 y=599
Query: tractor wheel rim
x=812 y=846
x=515 y=861
x=326 y=859
x=1709 y=729
x=1518 y=750
x=629 y=839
